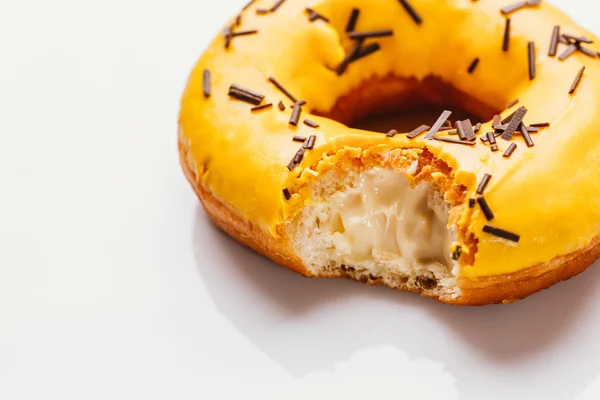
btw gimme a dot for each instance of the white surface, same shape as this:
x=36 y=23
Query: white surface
x=113 y=285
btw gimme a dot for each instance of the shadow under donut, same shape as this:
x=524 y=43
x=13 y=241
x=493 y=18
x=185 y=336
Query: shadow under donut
x=307 y=325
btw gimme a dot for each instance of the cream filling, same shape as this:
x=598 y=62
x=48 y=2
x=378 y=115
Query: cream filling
x=383 y=217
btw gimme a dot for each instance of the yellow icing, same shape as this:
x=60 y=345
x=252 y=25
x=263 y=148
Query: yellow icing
x=549 y=194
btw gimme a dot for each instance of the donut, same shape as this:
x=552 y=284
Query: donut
x=475 y=210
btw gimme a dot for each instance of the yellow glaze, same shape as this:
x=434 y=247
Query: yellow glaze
x=549 y=194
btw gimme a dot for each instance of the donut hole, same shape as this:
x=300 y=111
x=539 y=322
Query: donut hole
x=382 y=104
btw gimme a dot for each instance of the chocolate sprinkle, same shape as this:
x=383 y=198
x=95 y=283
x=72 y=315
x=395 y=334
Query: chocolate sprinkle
x=491 y=138
x=357 y=53
x=276 y=5
x=282 y=89
x=531 y=54
x=353 y=19
x=296 y=114
x=477 y=127
x=514 y=123
x=310 y=143
x=565 y=54
x=349 y=58
x=473 y=65
x=512 y=8
x=206 y=83
x=541 y=125
x=287 y=194
x=460 y=129
x=248 y=5
x=455 y=141
x=438 y=124
x=456 y=254
x=410 y=9
x=577 y=80
x=367 y=50
x=496 y=120
x=501 y=233
x=587 y=52
x=472 y=203
x=512 y=103
x=511 y=149
x=487 y=211
x=392 y=133
x=244 y=33
x=371 y=34
x=314 y=15
x=262 y=107
x=509 y=118
x=246 y=95
x=300 y=139
x=484 y=182
x=468 y=130
x=526 y=135
x=554 y=41
x=519 y=5
x=227 y=33
x=417 y=131
x=281 y=106
x=577 y=39
x=506 y=41
x=299 y=155
x=310 y=123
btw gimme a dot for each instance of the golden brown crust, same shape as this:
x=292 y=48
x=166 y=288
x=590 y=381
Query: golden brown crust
x=518 y=285
x=489 y=290
x=242 y=230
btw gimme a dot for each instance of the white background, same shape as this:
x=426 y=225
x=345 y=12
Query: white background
x=113 y=284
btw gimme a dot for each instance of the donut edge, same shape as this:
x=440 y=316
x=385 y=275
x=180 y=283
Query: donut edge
x=504 y=289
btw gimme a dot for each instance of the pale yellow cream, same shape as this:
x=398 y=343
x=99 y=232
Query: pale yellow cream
x=383 y=213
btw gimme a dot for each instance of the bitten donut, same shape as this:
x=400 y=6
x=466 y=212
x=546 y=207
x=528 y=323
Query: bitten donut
x=466 y=211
